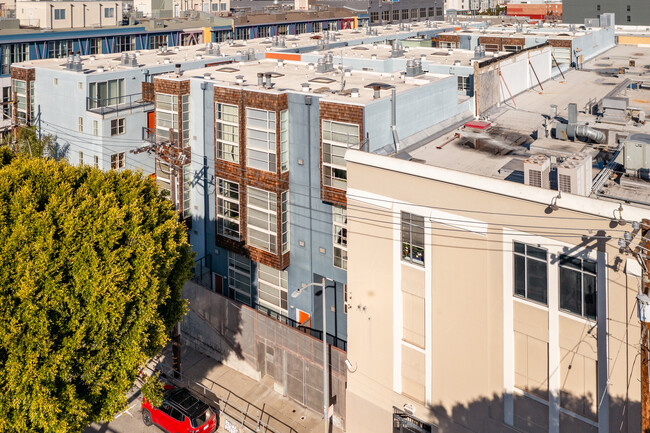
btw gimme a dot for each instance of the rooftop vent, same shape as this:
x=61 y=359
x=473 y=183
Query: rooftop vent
x=396 y=49
x=414 y=68
x=574 y=174
x=537 y=170
x=73 y=63
x=129 y=60
x=212 y=49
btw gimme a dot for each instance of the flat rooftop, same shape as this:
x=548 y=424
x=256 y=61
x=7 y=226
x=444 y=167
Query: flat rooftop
x=500 y=151
x=291 y=76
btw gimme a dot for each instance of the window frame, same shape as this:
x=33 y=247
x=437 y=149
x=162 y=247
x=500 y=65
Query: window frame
x=225 y=199
x=242 y=267
x=59 y=14
x=118 y=126
x=333 y=164
x=284 y=141
x=408 y=245
x=582 y=272
x=269 y=151
x=118 y=161
x=273 y=279
x=340 y=236
x=227 y=132
x=270 y=213
x=526 y=257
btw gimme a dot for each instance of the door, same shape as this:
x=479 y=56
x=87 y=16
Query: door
x=151 y=120
x=217 y=283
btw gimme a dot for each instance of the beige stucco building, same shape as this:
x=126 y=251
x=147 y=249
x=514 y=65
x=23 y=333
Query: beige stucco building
x=69 y=14
x=460 y=311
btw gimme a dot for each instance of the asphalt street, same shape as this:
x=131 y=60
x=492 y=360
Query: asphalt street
x=127 y=421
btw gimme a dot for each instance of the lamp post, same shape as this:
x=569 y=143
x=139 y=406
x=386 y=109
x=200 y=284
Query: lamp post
x=326 y=402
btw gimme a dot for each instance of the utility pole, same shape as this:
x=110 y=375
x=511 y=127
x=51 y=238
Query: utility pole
x=645 y=326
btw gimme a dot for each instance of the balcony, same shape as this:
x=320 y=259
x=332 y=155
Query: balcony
x=119 y=104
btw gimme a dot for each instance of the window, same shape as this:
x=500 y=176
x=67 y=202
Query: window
x=166 y=117
x=531 y=276
x=228 y=208
x=413 y=238
x=578 y=286
x=239 y=278
x=439 y=11
x=396 y=15
x=13 y=53
x=447 y=44
x=185 y=125
x=59 y=49
x=284 y=140
x=59 y=14
x=285 y=221
x=187 y=190
x=598 y=8
x=96 y=160
x=260 y=139
x=491 y=47
x=340 y=223
x=405 y=14
x=106 y=93
x=118 y=126
x=81 y=158
x=629 y=8
x=20 y=88
x=118 y=160
x=95 y=128
x=385 y=16
x=432 y=12
x=262 y=219
x=56 y=81
x=122 y=43
x=32 y=104
x=337 y=137
x=95 y=45
x=6 y=103
x=223 y=7
x=109 y=12
x=464 y=83
x=158 y=41
x=80 y=124
x=227 y=132
x=272 y=288
x=512 y=48
x=414 y=14
x=374 y=17
x=629 y=19
x=423 y=12
x=163 y=177
x=215 y=7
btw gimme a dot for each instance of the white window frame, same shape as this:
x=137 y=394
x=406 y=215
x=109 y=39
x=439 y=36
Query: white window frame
x=109 y=12
x=228 y=208
x=409 y=240
x=227 y=140
x=272 y=288
x=464 y=83
x=340 y=236
x=118 y=161
x=261 y=221
x=94 y=93
x=286 y=224
x=239 y=271
x=187 y=190
x=166 y=117
x=284 y=140
x=164 y=176
x=81 y=158
x=80 y=124
x=335 y=145
x=59 y=14
x=95 y=128
x=261 y=139
x=20 y=87
x=96 y=161
x=118 y=126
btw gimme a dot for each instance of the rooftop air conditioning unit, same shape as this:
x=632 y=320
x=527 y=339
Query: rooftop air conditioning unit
x=537 y=170
x=574 y=174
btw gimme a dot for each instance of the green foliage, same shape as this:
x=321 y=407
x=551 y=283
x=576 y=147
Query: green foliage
x=92 y=266
x=152 y=390
x=26 y=142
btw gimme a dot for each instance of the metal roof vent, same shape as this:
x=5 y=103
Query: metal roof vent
x=413 y=68
x=479 y=52
x=396 y=49
x=537 y=170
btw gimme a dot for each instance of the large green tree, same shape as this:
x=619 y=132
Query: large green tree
x=92 y=266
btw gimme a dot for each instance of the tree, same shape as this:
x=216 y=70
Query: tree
x=92 y=266
x=26 y=142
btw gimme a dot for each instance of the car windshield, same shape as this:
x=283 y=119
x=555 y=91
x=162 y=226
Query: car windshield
x=201 y=419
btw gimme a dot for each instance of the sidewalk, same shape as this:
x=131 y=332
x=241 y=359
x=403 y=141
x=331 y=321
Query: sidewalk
x=247 y=403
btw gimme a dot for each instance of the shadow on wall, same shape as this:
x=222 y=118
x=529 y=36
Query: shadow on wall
x=578 y=414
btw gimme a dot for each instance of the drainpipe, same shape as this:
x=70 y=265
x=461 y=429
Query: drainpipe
x=100 y=15
x=116 y=6
x=206 y=198
x=84 y=13
x=393 y=124
x=52 y=16
x=71 y=16
x=308 y=101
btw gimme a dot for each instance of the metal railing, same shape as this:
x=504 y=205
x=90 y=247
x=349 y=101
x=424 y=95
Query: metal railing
x=148 y=135
x=118 y=103
x=331 y=339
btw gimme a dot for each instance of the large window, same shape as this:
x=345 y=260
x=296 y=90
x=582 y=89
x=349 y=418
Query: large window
x=227 y=132
x=13 y=53
x=6 y=103
x=396 y=15
x=20 y=87
x=285 y=221
x=158 y=41
x=164 y=177
x=118 y=126
x=405 y=14
x=124 y=43
x=186 y=120
x=260 y=139
x=374 y=17
x=106 y=93
x=59 y=14
x=228 y=208
x=58 y=49
x=262 y=219
x=337 y=137
x=109 y=12
x=187 y=190
x=412 y=238
x=578 y=286
x=531 y=275
x=239 y=278
x=118 y=160
x=340 y=224
x=272 y=288
x=284 y=140
x=167 y=118
x=385 y=16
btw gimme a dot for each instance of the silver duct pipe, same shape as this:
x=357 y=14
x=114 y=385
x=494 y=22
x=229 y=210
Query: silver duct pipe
x=594 y=135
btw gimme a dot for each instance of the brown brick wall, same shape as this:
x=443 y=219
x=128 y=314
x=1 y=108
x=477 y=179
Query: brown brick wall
x=445 y=38
x=500 y=42
x=148 y=92
x=245 y=176
x=340 y=113
x=560 y=43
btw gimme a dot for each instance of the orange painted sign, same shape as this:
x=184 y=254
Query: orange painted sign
x=283 y=56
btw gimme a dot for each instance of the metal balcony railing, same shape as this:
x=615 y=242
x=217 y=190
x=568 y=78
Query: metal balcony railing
x=118 y=103
x=148 y=135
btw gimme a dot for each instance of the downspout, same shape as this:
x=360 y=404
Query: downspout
x=84 y=14
x=393 y=118
x=116 y=9
x=308 y=101
x=52 y=17
x=71 y=16
x=206 y=198
x=100 y=15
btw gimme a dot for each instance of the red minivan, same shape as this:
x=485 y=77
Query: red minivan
x=180 y=412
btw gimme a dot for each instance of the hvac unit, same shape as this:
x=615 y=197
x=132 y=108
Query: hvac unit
x=574 y=175
x=637 y=152
x=537 y=170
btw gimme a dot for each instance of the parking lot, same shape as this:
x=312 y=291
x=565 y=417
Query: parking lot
x=127 y=421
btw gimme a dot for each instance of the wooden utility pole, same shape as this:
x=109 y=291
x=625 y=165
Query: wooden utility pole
x=645 y=330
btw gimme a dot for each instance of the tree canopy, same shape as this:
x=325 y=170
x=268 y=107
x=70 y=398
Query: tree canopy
x=92 y=266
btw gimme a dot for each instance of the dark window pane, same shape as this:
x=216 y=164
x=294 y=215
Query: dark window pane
x=536 y=252
x=520 y=248
x=589 y=282
x=536 y=279
x=589 y=266
x=570 y=293
x=520 y=275
x=570 y=262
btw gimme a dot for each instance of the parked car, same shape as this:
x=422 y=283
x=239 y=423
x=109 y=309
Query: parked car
x=180 y=412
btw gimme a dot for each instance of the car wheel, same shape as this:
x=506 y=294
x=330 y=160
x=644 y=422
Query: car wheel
x=146 y=417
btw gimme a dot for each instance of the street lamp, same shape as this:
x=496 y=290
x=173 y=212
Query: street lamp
x=295 y=294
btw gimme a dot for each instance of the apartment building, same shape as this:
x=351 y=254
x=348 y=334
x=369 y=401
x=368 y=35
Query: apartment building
x=492 y=285
x=628 y=12
x=69 y=14
x=405 y=11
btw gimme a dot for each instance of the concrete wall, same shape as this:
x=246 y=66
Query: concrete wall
x=77 y=15
x=259 y=346
x=472 y=372
x=576 y=11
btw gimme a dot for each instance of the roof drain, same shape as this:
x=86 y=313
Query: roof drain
x=393 y=119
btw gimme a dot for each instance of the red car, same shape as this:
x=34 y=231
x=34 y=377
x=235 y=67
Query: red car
x=180 y=412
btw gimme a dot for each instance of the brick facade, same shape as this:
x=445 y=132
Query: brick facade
x=445 y=38
x=500 y=42
x=27 y=75
x=560 y=43
x=338 y=112
x=245 y=176
x=148 y=92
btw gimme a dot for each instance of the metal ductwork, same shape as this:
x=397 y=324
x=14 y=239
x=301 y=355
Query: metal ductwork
x=592 y=134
